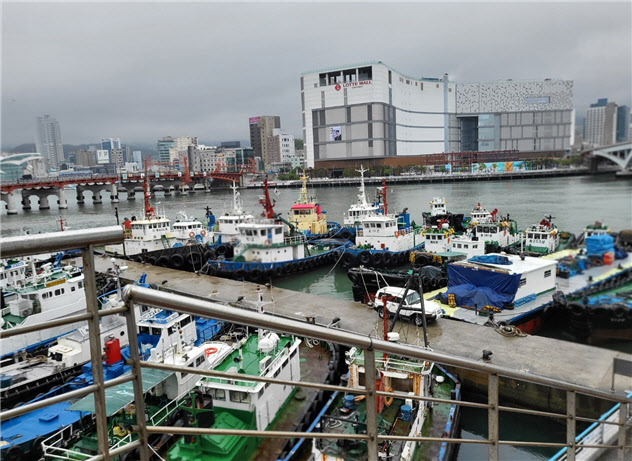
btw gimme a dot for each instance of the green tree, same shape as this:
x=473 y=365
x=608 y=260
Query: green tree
x=481 y=167
x=298 y=143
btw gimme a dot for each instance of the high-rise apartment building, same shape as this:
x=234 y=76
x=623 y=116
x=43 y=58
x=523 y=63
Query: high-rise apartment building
x=110 y=143
x=623 y=124
x=280 y=146
x=48 y=141
x=164 y=145
x=261 y=128
x=601 y=123
x=85 y=158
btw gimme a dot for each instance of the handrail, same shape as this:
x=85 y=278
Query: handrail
x=218 y=311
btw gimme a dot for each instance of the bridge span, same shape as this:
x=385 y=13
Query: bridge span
x=19 y=193
x=620 y=154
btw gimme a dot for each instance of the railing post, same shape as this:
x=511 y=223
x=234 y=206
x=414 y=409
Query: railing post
x=139 y=398
x=492 y=417
x=623 y=417
x=570 y=425
x=96 y=352
x=371 y=403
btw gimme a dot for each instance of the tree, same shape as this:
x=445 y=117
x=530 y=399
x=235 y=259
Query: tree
x=298 y=144
x=481 y=167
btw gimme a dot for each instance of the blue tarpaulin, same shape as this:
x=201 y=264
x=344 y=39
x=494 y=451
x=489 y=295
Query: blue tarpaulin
x=480 y=287
x=599 y=244
x=491 y=259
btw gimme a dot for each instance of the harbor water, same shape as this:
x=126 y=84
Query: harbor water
x=574 y=202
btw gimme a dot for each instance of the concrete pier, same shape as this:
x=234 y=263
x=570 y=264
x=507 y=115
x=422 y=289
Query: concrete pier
x=570 y=362
x=114 y=193
x=43 y=202
x=62 y=202
x=12 y=202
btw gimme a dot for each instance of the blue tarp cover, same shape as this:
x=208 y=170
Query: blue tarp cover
x=599 y=244
x=480 y=287
x=491 y=259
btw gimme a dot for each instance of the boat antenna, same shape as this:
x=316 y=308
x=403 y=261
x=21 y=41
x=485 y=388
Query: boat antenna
x=236 y=199
x=61 y=222
x=362 y=191
x=302 y=196
x=383 y=193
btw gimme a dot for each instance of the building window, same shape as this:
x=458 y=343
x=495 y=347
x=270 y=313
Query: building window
x=421 y=86
x=390 y=77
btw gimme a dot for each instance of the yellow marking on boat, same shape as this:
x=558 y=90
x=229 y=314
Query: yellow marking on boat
x=55 y=282
x=613 y=271
x=560 y=254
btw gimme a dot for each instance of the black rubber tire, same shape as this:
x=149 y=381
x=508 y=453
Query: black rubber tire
x=577 y=309
x=13 y=454
x=364 y=257
x=221 y=249
x=177 y=261
x=288 y=269
x=254 y=275
x=278 y=272
x=348 y=260
x=195 y=258
x=387 y=258
x=380 y=312
x=152 y=260
x=345 y=234
x=268 y=274
x=239 y=274
x=163 y=261
x=377 y=259
x=406 y=259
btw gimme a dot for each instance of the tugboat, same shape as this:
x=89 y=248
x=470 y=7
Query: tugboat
x=52 y=293
x=189 y=230
x=384 y=239
x=12 y=272
x=438 y=212
x=543 y=238
x=362 y=208
x=226 y=231
x=598 y=228
x=306 y=215
x=264 y=252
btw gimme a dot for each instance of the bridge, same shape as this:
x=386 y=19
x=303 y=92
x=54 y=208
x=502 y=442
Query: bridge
x=619 y=154
x=19 y=192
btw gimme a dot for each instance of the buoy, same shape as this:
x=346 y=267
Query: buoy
x=202 y=232
x=210 y=350
x=191 y=234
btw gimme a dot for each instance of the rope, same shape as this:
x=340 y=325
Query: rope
x=341 y=254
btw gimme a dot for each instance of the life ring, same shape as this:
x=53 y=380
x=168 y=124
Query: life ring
x=403 y=232
x=267 y=242
x=191 y=234
x=388 y=400
x=202 y=232
x=210 y=351
x=396 y=233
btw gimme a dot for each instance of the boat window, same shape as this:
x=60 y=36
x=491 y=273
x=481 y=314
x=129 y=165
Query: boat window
x=475 y=245
x=378 y=225
x=493 y=229
x=278 y=231
x=45 y=296
x=263 y=232
x=182 y=375
x=155 y=332
x=57 y=292
x=486 y=229
x=199 y=361
x=217 y=394
x=547 y=273
x=239 y=397
x=185 y=321
x=143 y=330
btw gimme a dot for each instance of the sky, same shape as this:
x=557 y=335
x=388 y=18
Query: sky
x=141 y=71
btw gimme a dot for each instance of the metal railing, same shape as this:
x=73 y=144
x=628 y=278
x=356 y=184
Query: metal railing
x=87 y=239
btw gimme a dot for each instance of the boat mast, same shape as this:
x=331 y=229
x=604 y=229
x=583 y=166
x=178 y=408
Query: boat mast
x=61 y=222
x=150 y=213
x=302 y=196
x=264 y=200
x=383 y=193
x=236 y=200
x=362 y=191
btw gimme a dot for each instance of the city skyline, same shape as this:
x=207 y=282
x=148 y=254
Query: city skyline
x=141 y=98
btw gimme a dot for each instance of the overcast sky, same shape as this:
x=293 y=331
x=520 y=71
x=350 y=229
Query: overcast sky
x=143 y=71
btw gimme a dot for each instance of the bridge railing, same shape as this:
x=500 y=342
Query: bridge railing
x=86 y=240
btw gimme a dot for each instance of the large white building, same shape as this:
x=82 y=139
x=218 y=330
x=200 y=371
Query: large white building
x=373 y=112
x=48 y=141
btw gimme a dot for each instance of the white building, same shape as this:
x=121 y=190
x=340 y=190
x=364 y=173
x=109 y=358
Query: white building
x=371 y=111
x=103 y=156
x=137 y=156
x=180 y=147
x=48 y=141
x=601 y=123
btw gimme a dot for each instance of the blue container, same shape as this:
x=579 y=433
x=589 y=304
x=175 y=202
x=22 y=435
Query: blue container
x=407 y=412
x=349 y=401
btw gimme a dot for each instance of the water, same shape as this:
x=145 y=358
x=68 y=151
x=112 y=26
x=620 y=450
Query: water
x=574 y=202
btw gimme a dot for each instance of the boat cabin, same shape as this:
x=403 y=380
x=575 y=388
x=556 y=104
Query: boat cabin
x=164 y=329
x=596 y=229
x=362 y=208
x=481 y=215
x=12 y=273
x=263 y=241
x=438 y=206
x=382 y=232
x=308 y=217
x=468 y=244
x=187 y=230
x=437 y=240
x=503 y=233
x=542 y=238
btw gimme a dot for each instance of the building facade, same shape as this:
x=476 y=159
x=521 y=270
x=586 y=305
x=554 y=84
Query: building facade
x=163 y=147
x=601 y=123
x=623 y=124
x=117 y=156
x=110 y=143
x=85 y=158
x=206 y=159
x=373 y=112
x=48 y=141
x=261 y=128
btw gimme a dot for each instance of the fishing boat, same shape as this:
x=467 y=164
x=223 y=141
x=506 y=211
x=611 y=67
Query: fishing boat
x=48 y=294
x=225 y=231
x=396 y=416
x=189 y=230
x=384 y=239
x=12 y=273
x=264 y=252
x=242 y=404
x=542 y=238
x=598 y=228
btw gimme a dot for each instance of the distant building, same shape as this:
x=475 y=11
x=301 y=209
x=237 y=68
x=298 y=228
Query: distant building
x=164 y=145
x=260 y=130
x=280 y=146
x=85 y=158
x=601 y=123
x=48 y=141
x=15 y=166
x=117 y=156
x=209 y=158
x=137 y=157
x=374 y=114
x=230 y=144
x=623 y=124
x=110 y=143
x=103 y=157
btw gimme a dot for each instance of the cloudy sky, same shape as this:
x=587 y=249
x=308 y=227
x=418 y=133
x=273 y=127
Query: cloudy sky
x=145 y=70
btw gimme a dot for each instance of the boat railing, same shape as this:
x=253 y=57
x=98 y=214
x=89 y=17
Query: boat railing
x=494 y=376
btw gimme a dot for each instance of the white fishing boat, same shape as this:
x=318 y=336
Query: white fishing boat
x=362 y=208
x=226 y=229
